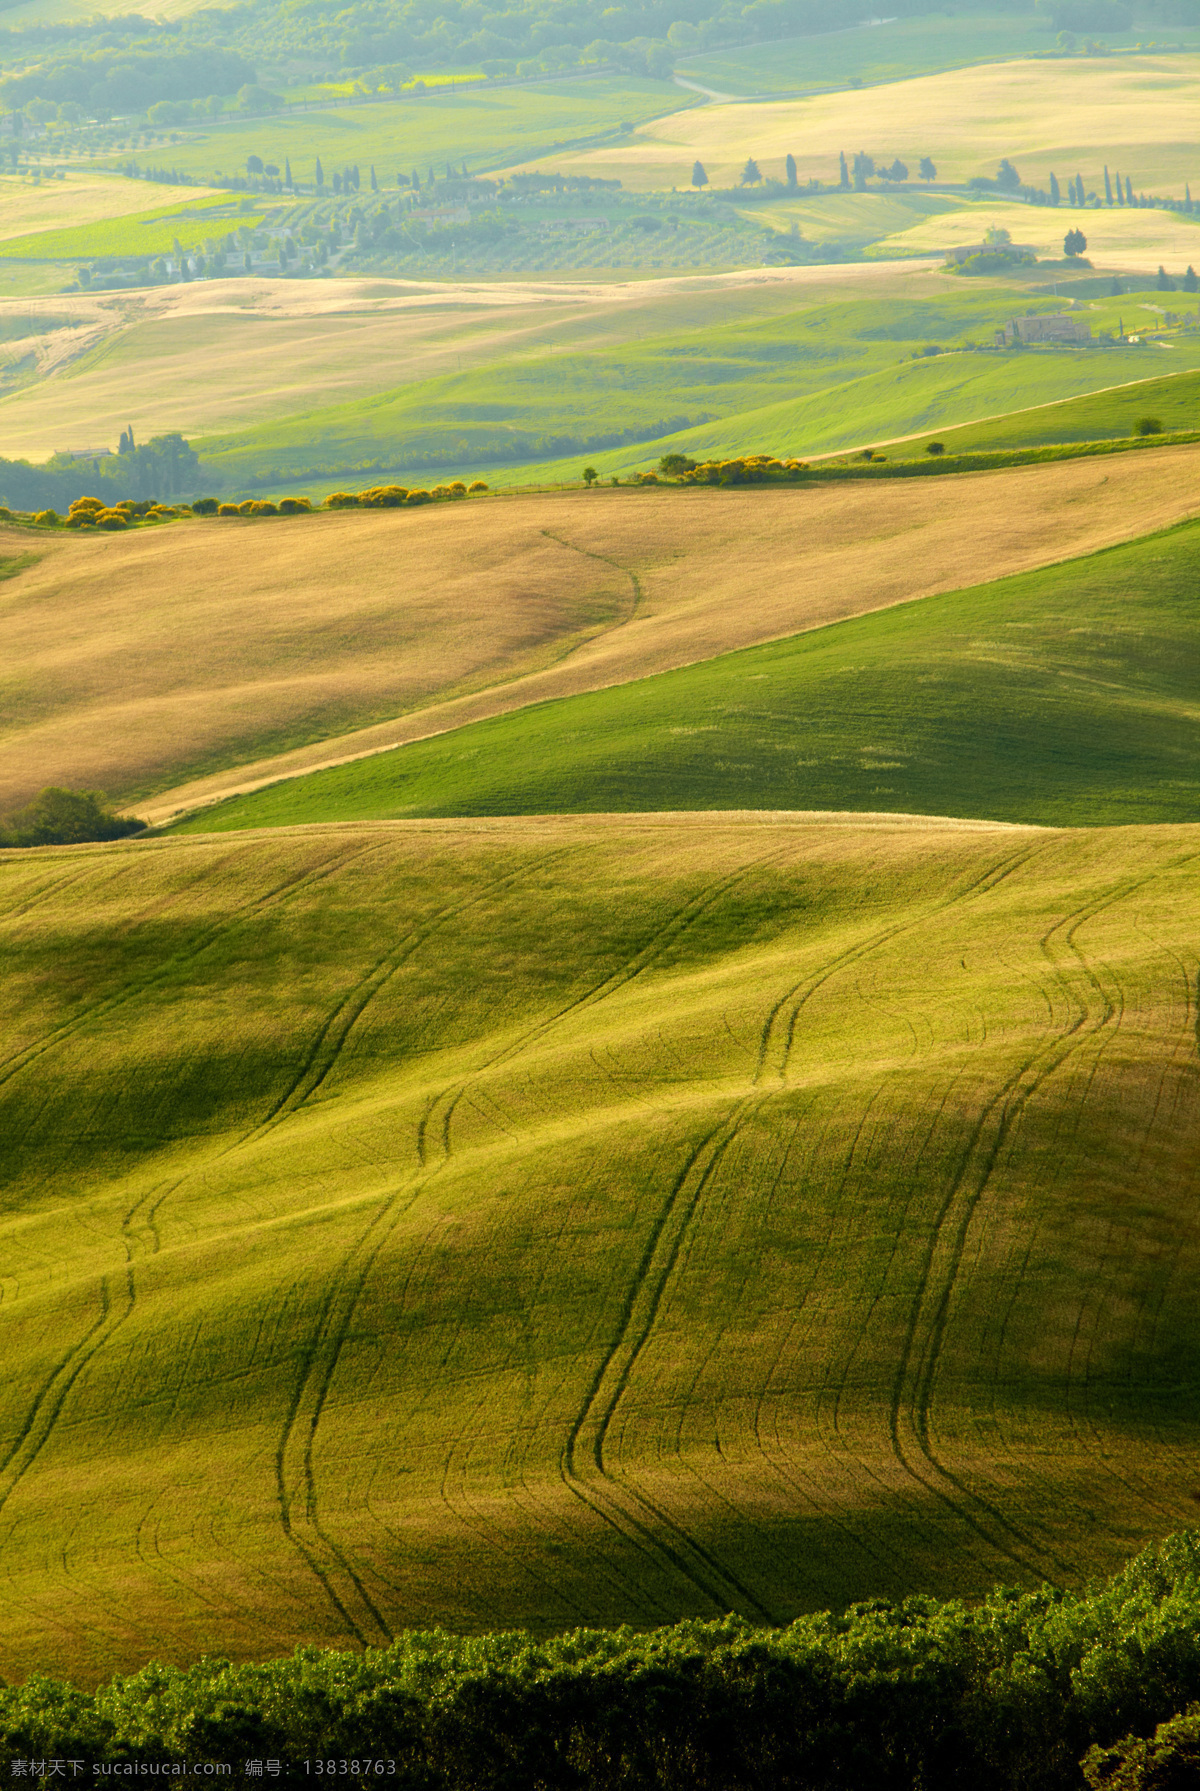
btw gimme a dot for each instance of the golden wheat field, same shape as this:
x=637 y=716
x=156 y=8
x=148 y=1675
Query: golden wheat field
x=176 y=664
x=586 y=1220
x=1135 y=113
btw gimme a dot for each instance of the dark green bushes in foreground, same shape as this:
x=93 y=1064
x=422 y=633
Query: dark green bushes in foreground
x=60 y=817
x=1016 y=1691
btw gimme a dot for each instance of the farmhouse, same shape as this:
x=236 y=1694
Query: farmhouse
x=1060 y=328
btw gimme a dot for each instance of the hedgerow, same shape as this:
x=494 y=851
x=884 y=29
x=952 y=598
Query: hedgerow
x=1012 y=1692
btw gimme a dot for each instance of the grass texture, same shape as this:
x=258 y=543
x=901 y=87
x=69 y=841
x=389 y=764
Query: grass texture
x=557 y=1221
x=1063 y=696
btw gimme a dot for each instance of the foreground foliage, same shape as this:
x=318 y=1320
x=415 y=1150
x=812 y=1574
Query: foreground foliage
x=59 y=817
x=1010 y=1692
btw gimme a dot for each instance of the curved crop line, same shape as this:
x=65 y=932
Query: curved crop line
x=21 y=1060
x=39 y=1424
x=1008 y=1103
x=643 y=959
x=629 y=1340
x=342 y=1018
x=349 y=1008
x=606 y=561
x=797 y=996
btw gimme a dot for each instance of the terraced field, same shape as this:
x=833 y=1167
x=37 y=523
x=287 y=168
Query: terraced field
x=548 y=1221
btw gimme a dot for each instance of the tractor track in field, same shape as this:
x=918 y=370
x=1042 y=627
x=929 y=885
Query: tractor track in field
x=336 y=1027
x=796 y=997
x=913 y=1386
x=350 y=1281
x=611 y=1499
x=664 y=936
x=605 y=560
x=21 y=1060
x=117 y=1305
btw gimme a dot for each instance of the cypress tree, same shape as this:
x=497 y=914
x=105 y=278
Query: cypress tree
x=374 y=182
x=1080 y=195
x=790 y=170
x=1120 y=189
x=844 y=175
x=1187 y=196
x=1055 y=194
x=287 y=173
x=1128 y=191
x=320 y=173
x=1108 y=198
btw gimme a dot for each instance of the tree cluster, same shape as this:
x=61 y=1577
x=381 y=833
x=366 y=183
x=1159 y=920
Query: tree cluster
x=59 y=817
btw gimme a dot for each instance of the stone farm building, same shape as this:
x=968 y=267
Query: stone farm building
x=1060 y=328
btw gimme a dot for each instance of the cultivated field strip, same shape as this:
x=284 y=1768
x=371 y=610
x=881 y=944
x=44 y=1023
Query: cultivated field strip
x=587 y=1219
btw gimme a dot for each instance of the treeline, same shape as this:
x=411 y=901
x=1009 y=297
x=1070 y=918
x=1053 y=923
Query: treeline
x=1012 y=1694
x=123 y=66
x=165 y=466
x=127 y=78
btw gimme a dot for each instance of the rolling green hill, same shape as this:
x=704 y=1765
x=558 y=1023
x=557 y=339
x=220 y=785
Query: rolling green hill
x=555 y=1221
x=1174 y=400
x=829 y=376
x=1067 y=695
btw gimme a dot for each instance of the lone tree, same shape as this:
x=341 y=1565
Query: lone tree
x=751 y=172
x=699 y=177
x=789 y=169
x=1074 y=243
x=926 y=169
x=1007 y=178
x=589 y=476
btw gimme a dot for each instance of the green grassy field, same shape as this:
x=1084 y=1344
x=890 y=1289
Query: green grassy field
x=1096 y=416
x=558 y=1221
x=826 y=377
x=487 y=127
x=1064 y=696
x=142 y=233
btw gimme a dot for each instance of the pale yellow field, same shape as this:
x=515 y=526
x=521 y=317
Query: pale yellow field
x=1137 y=113
x=1116 y=239
x=224 y=354
x=81 y=199
x=219 y=655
